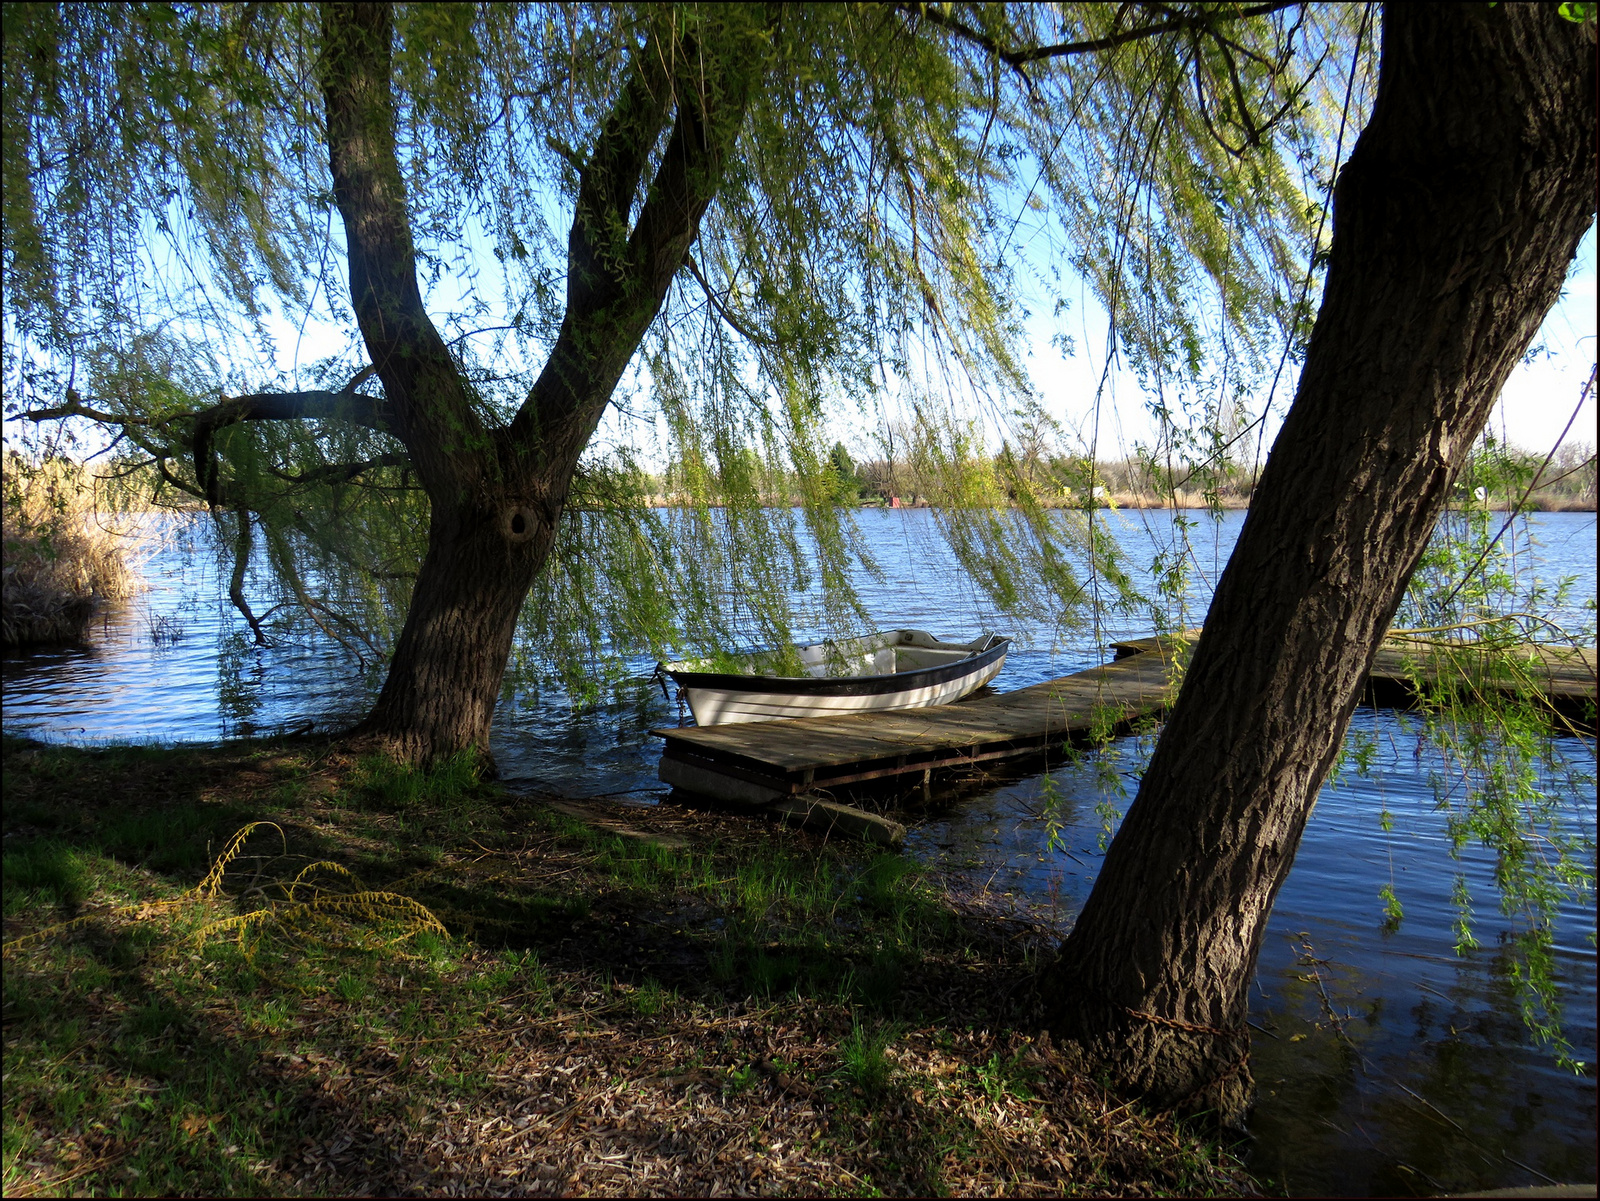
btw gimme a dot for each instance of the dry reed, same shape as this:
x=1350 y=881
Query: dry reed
x=62 y=560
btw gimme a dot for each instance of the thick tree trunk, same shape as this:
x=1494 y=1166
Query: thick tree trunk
x=1455 y=221
x=497 y=494
x=445 y=674
x=444 y=677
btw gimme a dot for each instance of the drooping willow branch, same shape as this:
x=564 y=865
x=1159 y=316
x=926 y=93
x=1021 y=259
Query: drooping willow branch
x=242 y=547
x=1019 y=56
x=1199 y=21
x=345 y=405
x=1522 y=501
x=738 y=326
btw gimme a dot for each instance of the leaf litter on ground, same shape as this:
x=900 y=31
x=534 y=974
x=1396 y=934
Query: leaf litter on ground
x=606 y=1014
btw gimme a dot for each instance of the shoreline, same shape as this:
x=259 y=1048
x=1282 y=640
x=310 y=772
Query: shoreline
x=1185 y=504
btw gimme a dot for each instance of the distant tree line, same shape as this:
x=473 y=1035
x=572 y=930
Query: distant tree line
x=1560 y=481
x=1565 y=482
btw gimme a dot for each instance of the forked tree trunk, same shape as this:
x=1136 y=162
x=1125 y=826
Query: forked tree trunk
x=496 y=493
x=1455 y=221
x=444 y=677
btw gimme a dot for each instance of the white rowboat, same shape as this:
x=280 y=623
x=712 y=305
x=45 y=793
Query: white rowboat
x=895 y=669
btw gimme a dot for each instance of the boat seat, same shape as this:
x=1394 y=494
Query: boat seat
x=912 y=658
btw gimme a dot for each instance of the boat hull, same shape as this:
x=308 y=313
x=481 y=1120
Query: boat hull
x=932 y=673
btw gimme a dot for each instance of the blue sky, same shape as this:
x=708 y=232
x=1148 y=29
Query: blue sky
x=1538 y=401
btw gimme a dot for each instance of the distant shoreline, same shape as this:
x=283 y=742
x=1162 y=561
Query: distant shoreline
x=1536 y=504
x=1117 y=500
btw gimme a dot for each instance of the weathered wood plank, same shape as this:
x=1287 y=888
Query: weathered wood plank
x=775 y=758
x=829 y=817
x=1555 y=671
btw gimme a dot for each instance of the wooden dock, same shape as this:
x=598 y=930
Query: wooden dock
x=1564 y=677
x=765 y=762
x=760 y=762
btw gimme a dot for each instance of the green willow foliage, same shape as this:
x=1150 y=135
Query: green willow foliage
x=167 y=187
x=1474 y=613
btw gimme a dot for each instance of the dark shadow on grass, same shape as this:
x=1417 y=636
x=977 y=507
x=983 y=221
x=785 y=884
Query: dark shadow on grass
x=310 y=1066
x=142 y=1088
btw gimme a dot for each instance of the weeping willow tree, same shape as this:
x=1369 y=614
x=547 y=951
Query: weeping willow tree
x=718 y=223
x=1455 y=221
x=550 y=230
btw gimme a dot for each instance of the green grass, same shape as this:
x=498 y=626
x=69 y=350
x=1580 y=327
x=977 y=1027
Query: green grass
x=650 y=998
x=863 y=1061
x=1008 y=1076
x=174 y=839
x=793 y=919
x=384 y=783
x=144 y=1056
x=44 y=873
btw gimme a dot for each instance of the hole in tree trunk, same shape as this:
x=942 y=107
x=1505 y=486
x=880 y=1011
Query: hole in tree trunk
x=518 y=524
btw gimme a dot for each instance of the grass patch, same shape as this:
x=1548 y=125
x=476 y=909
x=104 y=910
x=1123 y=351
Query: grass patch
x=42 y=874
x=705 y=1000
x=863 y=1062
x=171 y=840
x=382 y=783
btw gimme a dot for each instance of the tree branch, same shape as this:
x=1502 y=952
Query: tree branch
x=431 y=411
x=739 y=327
x=1018 y=57
x=347 y=405
x=608 y=182
x=354 y=407
x=180 y=485
x=614 y=290
x=276 y=406
x=76 y=408
x=242 y=546
x=340 y=473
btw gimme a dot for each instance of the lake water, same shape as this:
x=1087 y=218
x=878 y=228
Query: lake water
x=1386 y=1064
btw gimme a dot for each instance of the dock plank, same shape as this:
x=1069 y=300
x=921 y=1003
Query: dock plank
x=1558 y=672
x=760 y=760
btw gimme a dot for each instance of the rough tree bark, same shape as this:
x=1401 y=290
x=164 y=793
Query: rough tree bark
x=497 y=492
x=1454 y=224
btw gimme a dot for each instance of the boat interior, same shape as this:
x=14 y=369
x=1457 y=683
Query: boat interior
x=882 y=654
